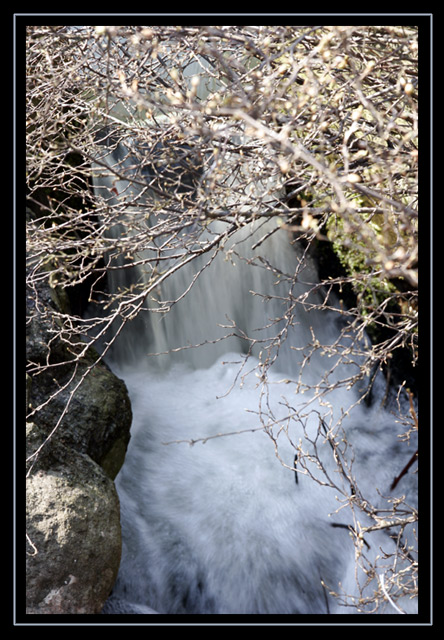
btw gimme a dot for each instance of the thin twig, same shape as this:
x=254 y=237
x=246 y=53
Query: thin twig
x=381 y=582
x=404 y=471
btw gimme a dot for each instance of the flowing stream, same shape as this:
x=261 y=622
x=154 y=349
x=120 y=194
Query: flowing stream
x=232 y=499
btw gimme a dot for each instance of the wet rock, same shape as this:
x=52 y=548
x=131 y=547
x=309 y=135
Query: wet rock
x=76 y=439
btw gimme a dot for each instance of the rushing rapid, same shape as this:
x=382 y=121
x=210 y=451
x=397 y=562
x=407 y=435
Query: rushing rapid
x=250 y=448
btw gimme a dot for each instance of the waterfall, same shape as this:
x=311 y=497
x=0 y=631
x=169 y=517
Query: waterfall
x=231 y=498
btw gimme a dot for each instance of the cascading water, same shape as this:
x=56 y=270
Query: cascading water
x=231 y=498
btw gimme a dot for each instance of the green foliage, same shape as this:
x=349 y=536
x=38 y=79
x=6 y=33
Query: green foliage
x=352 y=252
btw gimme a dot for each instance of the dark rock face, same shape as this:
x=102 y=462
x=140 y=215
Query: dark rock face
x=98 y=417
x=73 y=512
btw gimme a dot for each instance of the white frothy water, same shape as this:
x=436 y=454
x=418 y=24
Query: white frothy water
x=221 y=525
x=215 y=518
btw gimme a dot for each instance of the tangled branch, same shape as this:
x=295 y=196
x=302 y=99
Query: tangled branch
x=141 y=140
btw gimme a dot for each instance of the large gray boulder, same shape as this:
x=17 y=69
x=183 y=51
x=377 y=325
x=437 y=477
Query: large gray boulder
x=73 y=537
x=73 y=513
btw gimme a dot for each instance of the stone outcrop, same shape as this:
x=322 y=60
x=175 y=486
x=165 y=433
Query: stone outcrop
x=73 y=513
